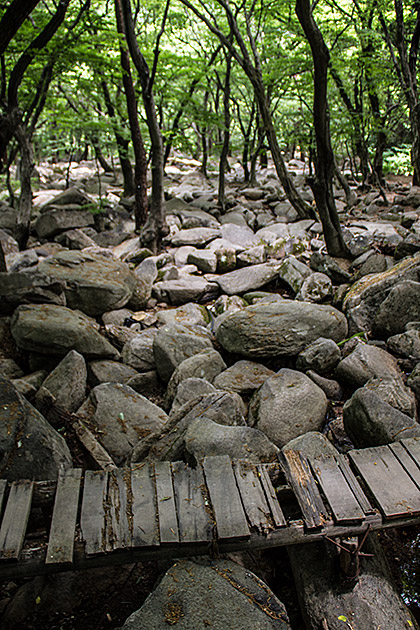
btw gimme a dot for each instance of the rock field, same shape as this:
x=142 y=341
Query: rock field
x=242 y=337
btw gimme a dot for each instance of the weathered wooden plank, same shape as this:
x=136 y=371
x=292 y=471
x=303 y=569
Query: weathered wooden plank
x=13 y=527
x=413 y=447
x=354 y=484
x=92 y=518
x=406 y=461
x=298 y=473
x=271 y=496
x=120 y=516
x=194 y=520
x=63 y=524
x=230 y=517
x=253 y=497
x=339 y=495
x=394 y=491
x=168 y=522
x=3 y=486
x=145 y=523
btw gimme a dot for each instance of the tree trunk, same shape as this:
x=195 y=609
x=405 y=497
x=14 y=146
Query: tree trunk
x=3 y=266
x=25 y=200
x=100 y=156
x=322 y=183
x=140 y=169
x=154 y=230
x=122 y=145
x=226 y=135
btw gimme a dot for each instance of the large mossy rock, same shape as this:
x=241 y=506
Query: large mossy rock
x=365 y=297
x=282 y=328
x=94 y=284
x=200 y=595
x=55 y=330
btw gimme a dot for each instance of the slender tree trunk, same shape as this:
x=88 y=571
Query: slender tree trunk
x=100 y=156
x=3 y=266
x=122 y=145
x=154 y=229
x=25 y=199
x=302 y=208
x=322 y=184
x=140 y=169
x=226 y=135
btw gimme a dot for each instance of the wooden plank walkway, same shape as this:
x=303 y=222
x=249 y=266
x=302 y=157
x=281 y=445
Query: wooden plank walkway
x=169 y=510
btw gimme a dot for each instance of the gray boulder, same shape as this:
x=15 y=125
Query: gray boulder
x=120 y=418
x=189 y=313
x=247 y=279
x=94 y=284
x=194 y=236
x=395 y=393
x=239 y=235
x=365 y=297
x=312 y=444
x=406 y=345
x=28 y=287
x=331 y=388
x=173 y=344
x=138 y=351
x=321 y=356
x=200 y=595
x=65 y=386
x=244 y=377
x=402 y=305
x=293 y=272
x=364 y=363
x=205 y=438
x=29 y=447
x=207 y=364
x=185 y=289
x=190 y=388
x=369 y=421
x=51 y=329
x=109 y=372
x=315 y=288
x=52 y=221
x=281 y=328
x=221 y=407
x=413 y=382
x=287 y=405
x=203 y=259
x=145 y=275
x=21 y=260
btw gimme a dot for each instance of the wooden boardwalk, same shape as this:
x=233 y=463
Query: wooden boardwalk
x=168 y=510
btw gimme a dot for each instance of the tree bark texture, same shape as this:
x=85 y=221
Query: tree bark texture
x=322 y=184
x=153 y=231
x=140 y=168
x=226 y=135
x=122 y=144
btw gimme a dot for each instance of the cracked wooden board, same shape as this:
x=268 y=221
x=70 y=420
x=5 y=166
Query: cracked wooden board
x=392 y=488
x=92 y=519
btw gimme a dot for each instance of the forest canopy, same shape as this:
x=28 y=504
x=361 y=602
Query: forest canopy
x=128 y=82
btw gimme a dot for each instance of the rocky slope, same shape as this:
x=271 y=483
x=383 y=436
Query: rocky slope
x=242 y=337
